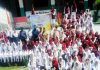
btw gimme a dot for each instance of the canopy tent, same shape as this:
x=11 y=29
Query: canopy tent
x=4 y=27
x=5 y=20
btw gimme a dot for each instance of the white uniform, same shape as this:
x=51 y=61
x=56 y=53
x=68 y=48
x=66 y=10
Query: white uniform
x=29 y=33
x=32 y=62
x=1 y=57
x=77 y=66
x=79 y=43
x=15 y=34
x=1 y=48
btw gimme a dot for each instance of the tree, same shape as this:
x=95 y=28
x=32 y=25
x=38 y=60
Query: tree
x=96 y=7
x=96 y=4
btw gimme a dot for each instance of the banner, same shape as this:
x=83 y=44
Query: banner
x=29 y=13
x=21 y=22
x=43 y=20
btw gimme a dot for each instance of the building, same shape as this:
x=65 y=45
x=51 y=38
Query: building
x=19 y=7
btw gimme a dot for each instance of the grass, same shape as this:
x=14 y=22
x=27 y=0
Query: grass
x=13 y=68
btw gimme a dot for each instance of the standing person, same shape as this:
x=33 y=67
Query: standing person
x=53 y=15
x=15 y=37
x=22 y=35
x=25 y=47
x=55 y=63
x=67 y=9
x=33 y=10
x=29 y=33
x=74 y=6
x=10 y=35
x=41 y=33
x=35 y=34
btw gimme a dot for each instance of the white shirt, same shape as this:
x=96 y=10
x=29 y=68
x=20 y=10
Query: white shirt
x=15 y=34
x=11 y=34
x=30 y=33
x=8 y=33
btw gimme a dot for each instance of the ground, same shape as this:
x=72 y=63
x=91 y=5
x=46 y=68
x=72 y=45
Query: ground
x=13 y=68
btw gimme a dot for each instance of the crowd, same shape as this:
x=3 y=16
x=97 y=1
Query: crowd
x=73 y=45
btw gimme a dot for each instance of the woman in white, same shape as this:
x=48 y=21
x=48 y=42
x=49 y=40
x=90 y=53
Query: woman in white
x=46 y=59
x=29 y=33
x=21 y=55
x=76 y=64
x=63 y=65
x=6 y=55
x=39 y=59
x=79 y=29
x=32 y=62
x=1 y=48
x=1 y=52
x=96 y=65
x=20 y=46
x=87 y=64
x=79 y=43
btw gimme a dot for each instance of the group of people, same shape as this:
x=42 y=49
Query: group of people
x=11 y=49
x=73 y=45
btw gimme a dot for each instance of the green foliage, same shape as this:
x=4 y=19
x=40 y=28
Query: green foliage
x=96 y=4
x=97 y=1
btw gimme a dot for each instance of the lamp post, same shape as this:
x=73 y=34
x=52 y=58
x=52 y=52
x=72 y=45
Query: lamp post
x=85 y=4
x=21 y=7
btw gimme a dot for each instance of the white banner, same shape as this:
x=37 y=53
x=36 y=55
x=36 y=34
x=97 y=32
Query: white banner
x=40 y=19
x=29 y=13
